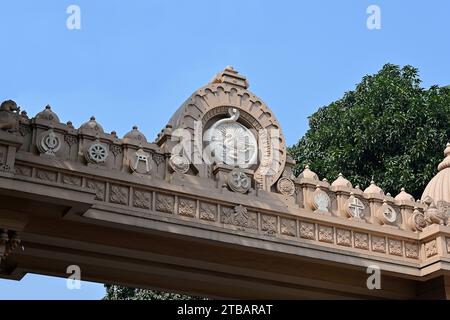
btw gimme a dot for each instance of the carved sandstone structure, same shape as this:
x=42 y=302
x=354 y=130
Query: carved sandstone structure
x=211 y=207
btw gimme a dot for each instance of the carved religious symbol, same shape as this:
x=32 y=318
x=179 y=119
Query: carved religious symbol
x=140 y=163
x=355 y=207
x=231 y=143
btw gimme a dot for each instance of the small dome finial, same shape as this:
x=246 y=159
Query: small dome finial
x=404 y=196
x=136 y=136
x=374 y=189
x=308 y=174
x=92 y=125
x=48 y=114
x=341 y=182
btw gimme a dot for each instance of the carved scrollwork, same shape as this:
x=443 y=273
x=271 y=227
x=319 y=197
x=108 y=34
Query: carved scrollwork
x=115 y=149
x=141 y=199
x=118 y=194
x=307 y=230
x=24 y=129
x=165 y=203
x=98 y=187
x=431 y=248
x=361 y=240
x=379 y=244
x=70 y=140
x=239 y=216
x=344 y=237
x=395 y=247
x=326 y=234
x=208 y=211
x=269 y=224
x=187 y=207
x=158 y=158
x=411 y=250
x=288 y=227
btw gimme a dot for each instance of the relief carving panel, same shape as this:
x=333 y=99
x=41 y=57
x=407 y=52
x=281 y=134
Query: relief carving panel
x=187 y=207
x=165 y=203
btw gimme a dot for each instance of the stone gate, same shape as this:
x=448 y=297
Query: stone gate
x=211 y=207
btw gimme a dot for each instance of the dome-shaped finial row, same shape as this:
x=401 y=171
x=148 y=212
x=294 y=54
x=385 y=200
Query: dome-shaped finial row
x=92 y=125
x=372 y=189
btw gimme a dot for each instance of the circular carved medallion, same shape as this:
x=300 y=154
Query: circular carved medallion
x=238 y=181
x=179 y=163
x=231 y=143
x=355 y=207
x=96 y=153
x=387 y=214
x=286 y=186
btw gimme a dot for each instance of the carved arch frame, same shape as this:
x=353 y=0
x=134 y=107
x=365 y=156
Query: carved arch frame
x=213 y=99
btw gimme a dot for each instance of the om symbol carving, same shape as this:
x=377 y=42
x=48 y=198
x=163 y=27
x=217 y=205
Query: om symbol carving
x=238 y=181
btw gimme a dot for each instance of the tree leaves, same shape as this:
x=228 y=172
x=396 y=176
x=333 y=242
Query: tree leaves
x=115 y=292
x=388 y=128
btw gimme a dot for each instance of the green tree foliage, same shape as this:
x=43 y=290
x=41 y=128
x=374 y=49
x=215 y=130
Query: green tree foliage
x=389 y=128
x=115 y=292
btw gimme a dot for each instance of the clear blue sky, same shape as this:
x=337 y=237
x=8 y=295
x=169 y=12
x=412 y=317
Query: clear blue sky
x=134 y=62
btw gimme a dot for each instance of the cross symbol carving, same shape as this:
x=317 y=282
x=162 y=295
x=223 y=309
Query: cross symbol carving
x=356 y=207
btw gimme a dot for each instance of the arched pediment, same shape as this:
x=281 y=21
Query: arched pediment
x=215 y=99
